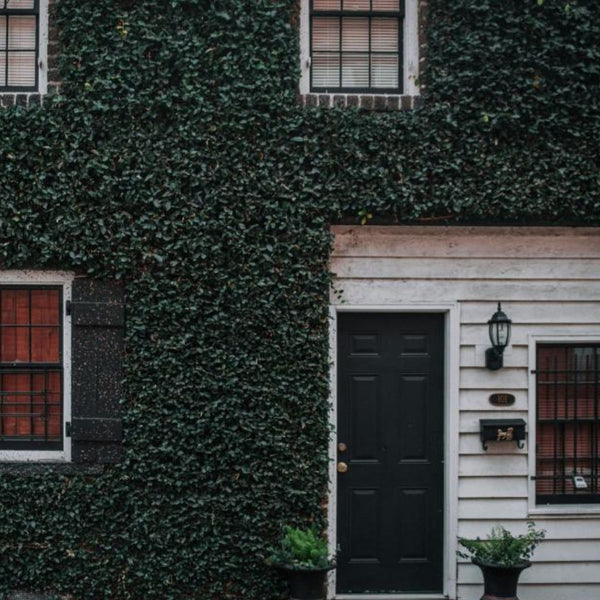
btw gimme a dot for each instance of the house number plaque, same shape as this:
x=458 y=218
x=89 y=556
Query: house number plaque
x=502 y=399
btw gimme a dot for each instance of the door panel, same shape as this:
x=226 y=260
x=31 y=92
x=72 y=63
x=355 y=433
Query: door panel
x=390 y=417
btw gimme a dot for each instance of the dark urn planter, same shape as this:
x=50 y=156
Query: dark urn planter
x=306 y=584
x=501 y=582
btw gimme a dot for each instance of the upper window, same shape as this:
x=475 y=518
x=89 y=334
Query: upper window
x=568 y=424
x=19 y=45
x=31 y=368
x=356 y=46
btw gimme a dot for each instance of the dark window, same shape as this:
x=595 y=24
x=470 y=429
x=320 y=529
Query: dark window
x=568 y=424
x=19 y=44
x=356 y=45
x=31 y=368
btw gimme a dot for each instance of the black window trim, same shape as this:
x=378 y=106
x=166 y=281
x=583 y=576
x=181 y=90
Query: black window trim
x=556 y=500
x=13 y=444
x=8 y=12
x=400 y=15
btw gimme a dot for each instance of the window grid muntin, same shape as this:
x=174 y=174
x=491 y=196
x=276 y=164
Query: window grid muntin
x=345 y=13
x=32 y=369
x=562 y=464
x=8 y=12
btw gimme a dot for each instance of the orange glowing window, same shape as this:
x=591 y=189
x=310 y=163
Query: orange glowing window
x=31 y=368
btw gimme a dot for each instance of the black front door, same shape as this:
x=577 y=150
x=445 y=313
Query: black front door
x=390 y=441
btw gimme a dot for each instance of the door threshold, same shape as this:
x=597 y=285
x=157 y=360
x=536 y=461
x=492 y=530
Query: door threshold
x=411 y=596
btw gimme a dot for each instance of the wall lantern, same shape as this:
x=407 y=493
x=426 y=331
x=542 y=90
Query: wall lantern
x=499 y=326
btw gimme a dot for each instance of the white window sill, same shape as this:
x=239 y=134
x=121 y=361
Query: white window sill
x=565 y=510
x=366 y=101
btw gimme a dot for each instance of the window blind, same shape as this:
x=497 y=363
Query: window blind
x=356 y=45
x=18 y=44
x=568 y=423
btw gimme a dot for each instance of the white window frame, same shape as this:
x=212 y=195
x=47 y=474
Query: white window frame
x=65 y=280
x=42 y=58
x=410 y=52
x=553 y=509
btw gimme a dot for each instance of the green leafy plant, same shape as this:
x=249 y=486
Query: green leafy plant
x=301 y=549
x=501 y=548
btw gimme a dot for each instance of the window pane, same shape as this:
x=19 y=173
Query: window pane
x=384 y=71
x=326 y=5
x=384 y=35
x=15 y=307
x=568 y=431
x=14 y=342
x=16 y=404
x=20 y=4
x=357 y=4
x=326 y=33
x=355 y=34
x=2 y=68
x=388 y=5
x=2 y=30
x=45 y=344
x=21 y=33
x=21 y=69
x=355 y=70
x=326 y=70
x=44 y=307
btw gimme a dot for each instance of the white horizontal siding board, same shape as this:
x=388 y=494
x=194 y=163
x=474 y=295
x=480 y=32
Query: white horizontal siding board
x=484 y=379
x=499 y=242
x=479 y=400
x=588 y=572
x=469 y=420
x=474 y=355
x=470 y=443
x=492 y=465
x=423 y=292
x=492 y=508
x=574 y=550
x=493 y=487
x=556 y=529
x=467 y=268
x=474 y=334
x=538 y=592
x=534 y=312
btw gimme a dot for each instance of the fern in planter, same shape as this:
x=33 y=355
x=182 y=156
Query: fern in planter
x=501 y=548
x=302 y=549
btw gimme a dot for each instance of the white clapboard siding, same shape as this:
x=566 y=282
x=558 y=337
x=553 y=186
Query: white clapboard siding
x=363 y=291
x=514 y=486
x=476 y=400
x=469 y=420
x=577 y=550
x=476 y=268
x=548 y=280
x=474 y=355
x=539 y=312
x=557 y=529
x=556 y=591
x=492 y=465
x=467 y=242
x=470 y=443
x=507 y=378
x=501 y=508
x=540 y=573
x=472 y=334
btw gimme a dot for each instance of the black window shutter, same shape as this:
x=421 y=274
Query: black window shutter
x=97 y=321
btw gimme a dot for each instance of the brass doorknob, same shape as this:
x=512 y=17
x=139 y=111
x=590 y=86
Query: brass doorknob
x=342 y=467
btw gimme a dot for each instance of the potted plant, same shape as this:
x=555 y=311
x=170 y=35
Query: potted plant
x=304 y=558
x=501 y=557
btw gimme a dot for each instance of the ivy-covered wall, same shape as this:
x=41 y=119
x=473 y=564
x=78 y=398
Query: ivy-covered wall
x=177 y=158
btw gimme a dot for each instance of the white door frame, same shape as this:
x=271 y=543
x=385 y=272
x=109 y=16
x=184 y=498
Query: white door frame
x=451 y=312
